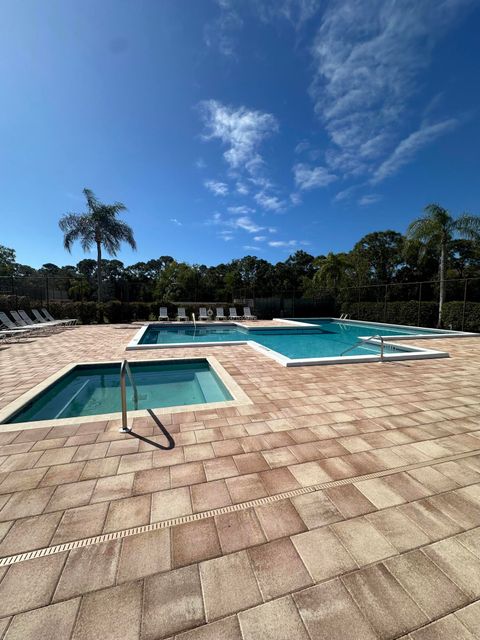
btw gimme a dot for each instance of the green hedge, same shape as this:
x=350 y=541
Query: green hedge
x=407 y=313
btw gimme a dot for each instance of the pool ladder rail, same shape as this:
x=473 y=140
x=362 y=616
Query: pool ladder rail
x=124 y=371
x=359 y=344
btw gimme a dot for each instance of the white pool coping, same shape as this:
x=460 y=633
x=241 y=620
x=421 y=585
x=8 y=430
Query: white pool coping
x=239 y=396
x=440 y=333
x=408 y=353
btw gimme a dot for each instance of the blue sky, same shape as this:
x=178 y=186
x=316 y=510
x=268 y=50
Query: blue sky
x=234 y=127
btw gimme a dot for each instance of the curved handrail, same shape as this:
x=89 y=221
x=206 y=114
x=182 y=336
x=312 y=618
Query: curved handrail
x=359 y=344
x=124 y=371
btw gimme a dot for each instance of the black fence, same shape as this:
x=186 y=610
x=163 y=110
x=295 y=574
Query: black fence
x=413 y=303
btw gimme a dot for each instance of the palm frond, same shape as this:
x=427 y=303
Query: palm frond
x=468 y=226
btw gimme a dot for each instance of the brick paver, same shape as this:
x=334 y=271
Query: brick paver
x=387 y=557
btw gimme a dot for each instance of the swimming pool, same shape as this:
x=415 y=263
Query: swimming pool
x=294 y=344
x=94 y=389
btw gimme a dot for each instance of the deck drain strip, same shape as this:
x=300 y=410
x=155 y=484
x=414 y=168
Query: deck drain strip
x=164 y=524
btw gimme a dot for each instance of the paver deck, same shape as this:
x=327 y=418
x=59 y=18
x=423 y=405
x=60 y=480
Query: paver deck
x=344 y=503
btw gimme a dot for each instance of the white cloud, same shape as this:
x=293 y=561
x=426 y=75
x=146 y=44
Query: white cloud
x=278 y=244
x=302 y=146
x=177 y=222
x=259 y=238
x=226 y=235
x=295 y=199
x=216 y=187
x=368 y=59
x=241 y=130
x=245 y=223
x=240 y=210
x=221 y=33
x=200 y=163
x=409 y=146
x=242 y=189
x=307 y=177
x=269 y=202
x=368 y=199
x=250 y=247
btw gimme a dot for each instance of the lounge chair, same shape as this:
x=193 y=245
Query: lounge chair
x=50 y=318
x=247 y=315
x=202 y=314
x=14 y=326
x=40 y=319
x=24 y=315
x=163 y=314
x=34 y=326
x=233 y=315
x=181 y=315
x=219 y=314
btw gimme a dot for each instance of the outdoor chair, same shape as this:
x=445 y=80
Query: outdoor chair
x=219 y=314
x=247 y=315
x=233 y=315
x=163 y=314
x=181 y=315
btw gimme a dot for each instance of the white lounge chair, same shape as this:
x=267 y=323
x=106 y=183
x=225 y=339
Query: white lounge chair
x=247 y=315
x=181 y=315
x=202 y=314
x=233 y=315
x=50 y=318
x=41 y=320
x=20 y=322
x=51 y=325
x=219 y=314
x=9 y=335
x=14 y=326
x=163 y=314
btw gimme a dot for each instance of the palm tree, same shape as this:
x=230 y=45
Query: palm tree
x=332 y=271
x=99 y=226
x=439 y=228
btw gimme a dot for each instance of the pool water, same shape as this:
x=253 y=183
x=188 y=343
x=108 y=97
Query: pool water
x=95 y=389
x=328 y=339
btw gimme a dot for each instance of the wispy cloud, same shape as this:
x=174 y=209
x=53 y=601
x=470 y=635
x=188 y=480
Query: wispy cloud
x=278 y=244
x=177 y=222
x=245 y=223
x=216 y=187
x=259 y=238
x=368 y=58
x=307 y=177
x=221 y=33
x=409 y=146
x=269 y=202
x=251 y=247
x=240 y=210
x=368 y=199
x=241 y=130
x=200 y=163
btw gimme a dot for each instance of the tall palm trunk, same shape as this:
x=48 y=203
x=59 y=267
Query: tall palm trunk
x=442 y=282
x=99 y=271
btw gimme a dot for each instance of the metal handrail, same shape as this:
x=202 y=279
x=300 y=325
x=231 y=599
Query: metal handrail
x=124 y=371
x=359 y=344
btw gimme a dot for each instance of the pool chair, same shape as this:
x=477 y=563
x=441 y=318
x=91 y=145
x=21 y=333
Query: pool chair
x=247 y=315
x=181 y=315
x=219 y=315
x=9 y=324
x=20 y=322
x=202 y=314
x=50 y=318
x=162 y=314
x=46 y=324
x=40 y=319
x=233 y=315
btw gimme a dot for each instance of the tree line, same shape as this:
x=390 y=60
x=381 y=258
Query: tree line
x=436 y=247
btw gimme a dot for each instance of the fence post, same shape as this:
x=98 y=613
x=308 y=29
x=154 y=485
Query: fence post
x=419 y=303
x=464 y=302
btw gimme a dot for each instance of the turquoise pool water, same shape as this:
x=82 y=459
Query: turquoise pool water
x=328 y=339
x=91 y=390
